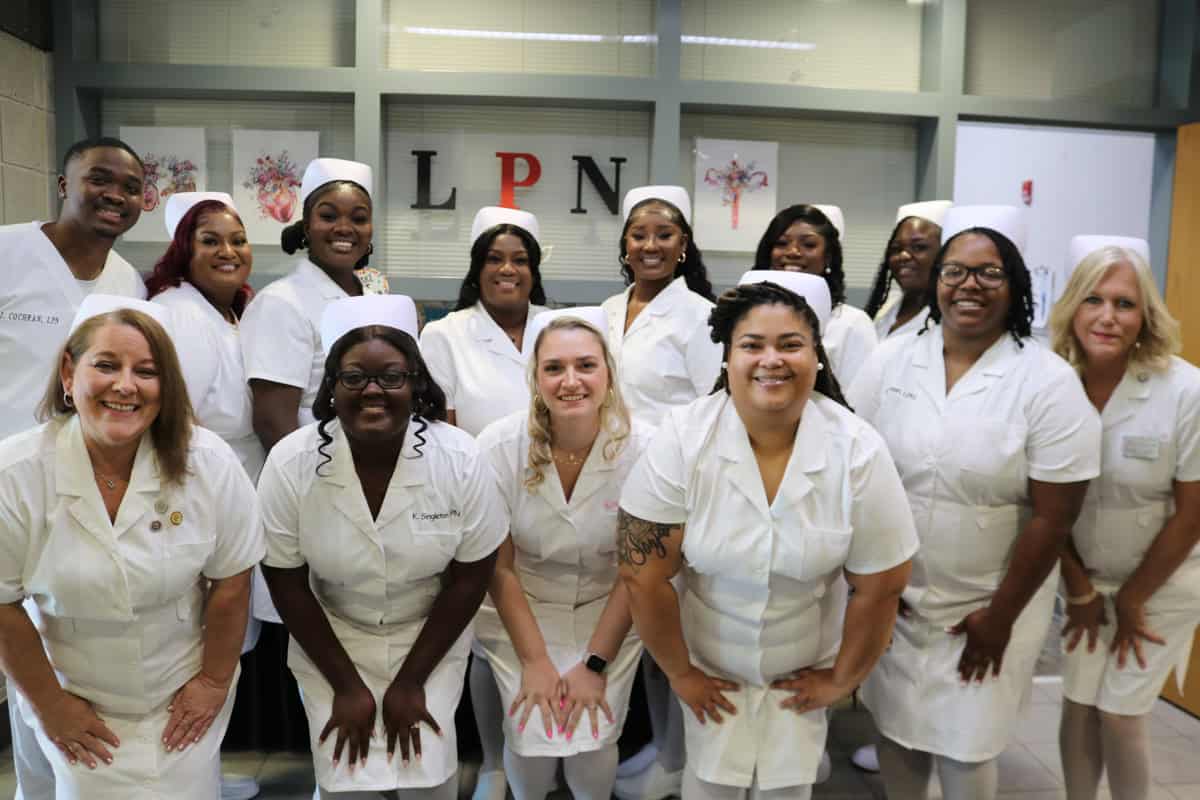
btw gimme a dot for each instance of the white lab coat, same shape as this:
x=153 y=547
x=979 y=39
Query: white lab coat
x=667 y=357
x=764 y=588
x=886 y=318
x=566 y=560
x=121 y=603
x=475 y=363
x=848 y=339
x=281 y=331
x=377 y=579
x=39 y=296
x=1151 y=439
x=1019 y=413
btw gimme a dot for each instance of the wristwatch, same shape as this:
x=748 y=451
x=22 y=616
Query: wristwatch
x=595 y=663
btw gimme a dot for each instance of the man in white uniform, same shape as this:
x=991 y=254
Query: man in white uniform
x=46 y=269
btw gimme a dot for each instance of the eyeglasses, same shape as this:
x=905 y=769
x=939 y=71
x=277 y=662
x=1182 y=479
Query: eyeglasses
x=988 y=276
x=356 y=381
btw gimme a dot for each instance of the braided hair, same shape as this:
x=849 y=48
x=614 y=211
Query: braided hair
x=1019 y=321
x=428 y=399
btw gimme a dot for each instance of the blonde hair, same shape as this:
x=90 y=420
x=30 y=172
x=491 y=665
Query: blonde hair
x=171 y=430
x=614 y=416
x=1159 y=338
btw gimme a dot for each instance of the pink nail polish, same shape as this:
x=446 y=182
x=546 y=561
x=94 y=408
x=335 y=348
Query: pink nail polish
x=521 y=728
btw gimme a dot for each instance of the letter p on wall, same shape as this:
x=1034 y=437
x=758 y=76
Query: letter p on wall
x=508 y=175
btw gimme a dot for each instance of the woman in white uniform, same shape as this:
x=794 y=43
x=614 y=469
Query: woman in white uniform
x=757 y=649
x=558 y=630
x=281 y=340
x=808 y=238
x=477 y=354
x=133 y=531
x=995 y=442
x=382 y=526
x=658 y=335
x=1132 y=573
x=907 y=262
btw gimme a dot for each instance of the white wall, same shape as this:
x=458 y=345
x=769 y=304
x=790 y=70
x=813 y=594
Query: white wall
x=1084 y=181
x=27 y=153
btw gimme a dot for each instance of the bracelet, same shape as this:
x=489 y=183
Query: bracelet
x=1083 y=599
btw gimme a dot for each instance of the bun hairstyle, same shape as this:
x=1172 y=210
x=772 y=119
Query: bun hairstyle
x=815 y=217
x=736 y=303
x=294 y=238
x=469 y=291
x=428 y=399
x=1019 y=321
x=174 y=266
x=694 y=273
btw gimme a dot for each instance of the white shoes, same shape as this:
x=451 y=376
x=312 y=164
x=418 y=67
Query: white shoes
x=490 y=786
x=652 y=783
x=866 y=758
x=638 y=761
x=238 y=787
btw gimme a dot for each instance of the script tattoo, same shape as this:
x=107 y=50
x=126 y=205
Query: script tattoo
x=638 y=539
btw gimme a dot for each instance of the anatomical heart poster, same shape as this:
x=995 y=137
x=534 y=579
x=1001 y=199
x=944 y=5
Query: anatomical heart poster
x=175 y=161
x=267 y=168
x=735 y=192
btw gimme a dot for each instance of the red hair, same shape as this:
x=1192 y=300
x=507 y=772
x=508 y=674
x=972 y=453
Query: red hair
x=175 y=265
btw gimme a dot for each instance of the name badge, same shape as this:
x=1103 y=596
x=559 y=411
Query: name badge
x=1144 y=447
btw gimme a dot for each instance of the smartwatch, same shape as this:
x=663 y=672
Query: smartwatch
x=595 y=663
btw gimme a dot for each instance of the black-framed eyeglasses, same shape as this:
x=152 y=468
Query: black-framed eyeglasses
x=357 y=380
x=988 y=276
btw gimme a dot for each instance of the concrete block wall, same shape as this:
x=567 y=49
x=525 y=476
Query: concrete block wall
x=27 y=151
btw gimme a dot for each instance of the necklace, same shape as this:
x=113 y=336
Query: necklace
x=573 y=459
x=111 y=483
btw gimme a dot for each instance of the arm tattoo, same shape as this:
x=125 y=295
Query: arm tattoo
x=638 y=539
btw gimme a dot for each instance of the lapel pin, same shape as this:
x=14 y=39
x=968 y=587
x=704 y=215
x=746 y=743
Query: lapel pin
x=156 y=525
x=176 y=518
x=160 y=507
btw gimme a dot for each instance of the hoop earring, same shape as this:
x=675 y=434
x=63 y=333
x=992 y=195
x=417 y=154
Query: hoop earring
x=304 y=241
x=370 y=248
x=624 y=260
x=68 y=401
x=682 y=257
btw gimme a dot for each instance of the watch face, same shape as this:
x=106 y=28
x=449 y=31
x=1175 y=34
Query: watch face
x=595 y=663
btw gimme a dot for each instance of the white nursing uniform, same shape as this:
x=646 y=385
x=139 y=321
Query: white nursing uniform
x=121 y=604
x=761 y=580
x=39 y=296
x=667 y=357
x=966 y=458
x=474 y=362
x=211 y=357
x=281 y=331
x=848 y=339
x=566 y=560
x=886 y=318
x=1151 y=439
x=281 y=343
x=377 y=579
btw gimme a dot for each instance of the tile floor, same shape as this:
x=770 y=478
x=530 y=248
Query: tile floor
x=1030 y=769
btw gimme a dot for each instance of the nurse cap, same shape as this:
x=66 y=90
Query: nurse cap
x=812 y=288
x=321 y=171
x=836 y=217
x=349 y=313
x=931 y=210
x=592 y=315
x=1083 y=246
x=489 y=217
x=675 y=195
x=96 y=304
x=180 y=203
x=1007 y=220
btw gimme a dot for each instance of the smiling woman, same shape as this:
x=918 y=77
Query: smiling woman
x=140 y=629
